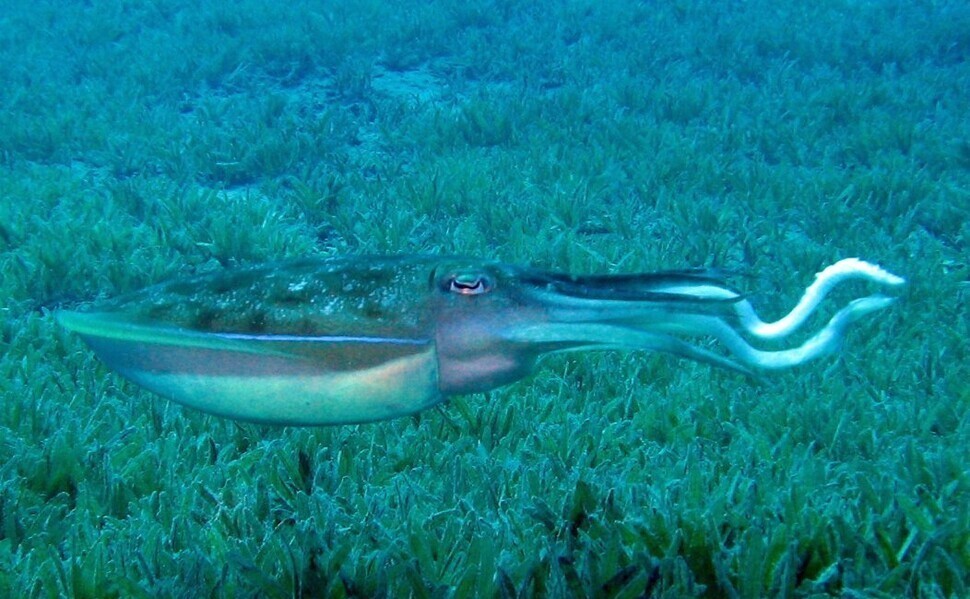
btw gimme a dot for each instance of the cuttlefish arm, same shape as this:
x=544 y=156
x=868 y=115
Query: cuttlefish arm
x=358 y=339
x=695 y=303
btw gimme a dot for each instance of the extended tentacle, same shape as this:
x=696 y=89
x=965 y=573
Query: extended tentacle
x=824 y=342
x=743 y=356
x=578 y=337
x=843 y=270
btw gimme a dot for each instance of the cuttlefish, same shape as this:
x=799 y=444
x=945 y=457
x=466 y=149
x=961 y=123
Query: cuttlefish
x=357 y=339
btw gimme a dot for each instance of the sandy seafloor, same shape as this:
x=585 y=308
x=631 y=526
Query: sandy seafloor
x=141 y=141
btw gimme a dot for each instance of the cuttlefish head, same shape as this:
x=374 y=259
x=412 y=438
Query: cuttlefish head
x=494 y=320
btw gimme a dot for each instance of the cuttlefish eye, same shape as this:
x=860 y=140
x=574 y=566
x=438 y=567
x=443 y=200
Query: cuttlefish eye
x=468 y=283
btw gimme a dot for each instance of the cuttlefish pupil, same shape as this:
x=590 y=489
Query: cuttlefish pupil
x=469 y=284
x=357 y=339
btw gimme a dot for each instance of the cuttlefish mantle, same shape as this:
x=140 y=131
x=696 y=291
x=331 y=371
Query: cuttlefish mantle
x=358 y=339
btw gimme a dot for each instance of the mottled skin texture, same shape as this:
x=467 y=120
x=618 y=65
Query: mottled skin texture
x=340 y=296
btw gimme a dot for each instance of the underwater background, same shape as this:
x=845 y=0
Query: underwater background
x=142 y=140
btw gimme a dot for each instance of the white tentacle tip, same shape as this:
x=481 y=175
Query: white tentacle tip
x=855 y=267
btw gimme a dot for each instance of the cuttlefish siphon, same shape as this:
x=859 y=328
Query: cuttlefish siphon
x=358 y=339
